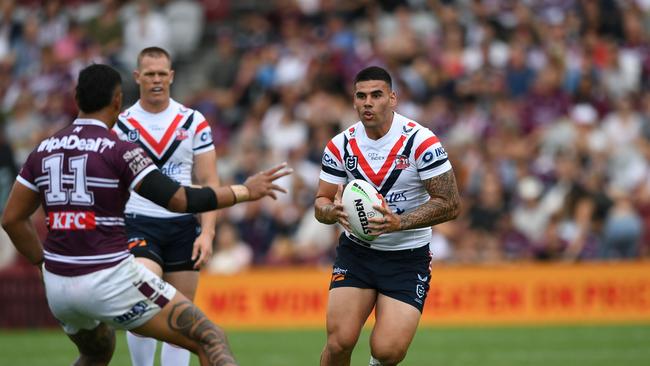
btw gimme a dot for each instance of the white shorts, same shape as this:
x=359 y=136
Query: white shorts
x=125 y=297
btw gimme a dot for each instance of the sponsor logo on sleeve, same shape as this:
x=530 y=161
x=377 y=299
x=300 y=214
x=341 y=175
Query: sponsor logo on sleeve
x=328 y=161
x=137 y=160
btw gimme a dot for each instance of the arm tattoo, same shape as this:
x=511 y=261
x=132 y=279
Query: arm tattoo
x=443 y=205
x=187 y=319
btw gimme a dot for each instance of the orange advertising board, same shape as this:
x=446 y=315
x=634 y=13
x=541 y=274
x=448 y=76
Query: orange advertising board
x=509 y=294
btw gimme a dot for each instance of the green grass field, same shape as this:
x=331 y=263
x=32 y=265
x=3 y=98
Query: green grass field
x=489 y=346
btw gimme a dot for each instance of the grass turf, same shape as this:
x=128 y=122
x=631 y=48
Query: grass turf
x=489 y=346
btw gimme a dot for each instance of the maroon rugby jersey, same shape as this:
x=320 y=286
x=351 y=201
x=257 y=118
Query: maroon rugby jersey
x=83 y=175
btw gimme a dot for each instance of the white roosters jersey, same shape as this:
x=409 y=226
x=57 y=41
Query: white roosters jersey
x=395 y=164
x=171 y=138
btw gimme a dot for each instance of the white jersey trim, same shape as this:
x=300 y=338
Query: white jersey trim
x=27 y=184
x=141 y=175
x=87 y=259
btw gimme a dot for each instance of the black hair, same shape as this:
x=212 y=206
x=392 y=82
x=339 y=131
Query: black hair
x=374 y=73
x=96 y=86
x=153 y=52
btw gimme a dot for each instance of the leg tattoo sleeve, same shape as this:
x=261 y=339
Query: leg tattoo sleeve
x=186 y=318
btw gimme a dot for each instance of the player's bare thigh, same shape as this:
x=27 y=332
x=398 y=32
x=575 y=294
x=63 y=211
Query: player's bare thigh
x=347 y=311
x=184 y=281
x=395 y=326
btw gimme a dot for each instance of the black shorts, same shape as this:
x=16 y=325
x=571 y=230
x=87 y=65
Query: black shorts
x=166 y=241
x=402 y=274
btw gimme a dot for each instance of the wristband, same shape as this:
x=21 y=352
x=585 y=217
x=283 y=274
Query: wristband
x=240 y=192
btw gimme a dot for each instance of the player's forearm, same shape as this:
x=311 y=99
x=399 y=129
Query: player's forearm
x=196 y=200
x=323 y=211
x=209 y=223
x=23 y=235
x=209 y=219
x=433 y=212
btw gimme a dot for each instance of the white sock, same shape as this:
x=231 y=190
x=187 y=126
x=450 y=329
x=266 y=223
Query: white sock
x=142 y=349
x=374 y=362
x=174 y=356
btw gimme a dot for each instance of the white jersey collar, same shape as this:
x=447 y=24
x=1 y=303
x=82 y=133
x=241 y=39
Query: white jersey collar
x=394 y=126
x=89 y=122
x=172 y=104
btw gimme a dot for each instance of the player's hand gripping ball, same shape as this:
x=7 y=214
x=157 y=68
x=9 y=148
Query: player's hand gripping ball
x=358 y=198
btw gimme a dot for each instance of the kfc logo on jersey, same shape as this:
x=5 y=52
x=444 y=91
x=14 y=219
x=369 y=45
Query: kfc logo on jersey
x=72 y=220
x=133 y=135
x=181 y=134
x=401 y=162
x=351 y=162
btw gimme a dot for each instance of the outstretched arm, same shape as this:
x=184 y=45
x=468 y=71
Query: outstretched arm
x=165 y=192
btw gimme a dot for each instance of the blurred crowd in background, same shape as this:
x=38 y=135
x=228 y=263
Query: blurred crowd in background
x=542 y=105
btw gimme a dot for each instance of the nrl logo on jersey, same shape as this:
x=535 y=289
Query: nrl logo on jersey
x=351 y=162
x=133 y=135
x=182 y=134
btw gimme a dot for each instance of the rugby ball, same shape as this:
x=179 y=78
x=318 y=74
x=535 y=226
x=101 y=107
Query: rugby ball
x=358 y=198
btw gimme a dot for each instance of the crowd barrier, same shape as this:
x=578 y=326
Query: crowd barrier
x=527 y=294
x=589 y=293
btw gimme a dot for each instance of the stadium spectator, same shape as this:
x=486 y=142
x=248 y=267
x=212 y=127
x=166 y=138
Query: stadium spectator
x=24 y=127
x=539 y=59
x=145 y=27
x=231 y=254
x=7 y=175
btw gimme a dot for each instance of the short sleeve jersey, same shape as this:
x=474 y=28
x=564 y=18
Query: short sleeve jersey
x=171 y=138
x=83 y=175
x=395 y=164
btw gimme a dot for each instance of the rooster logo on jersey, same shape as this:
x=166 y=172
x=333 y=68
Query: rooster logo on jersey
x=401 y=162
x=182 y=134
